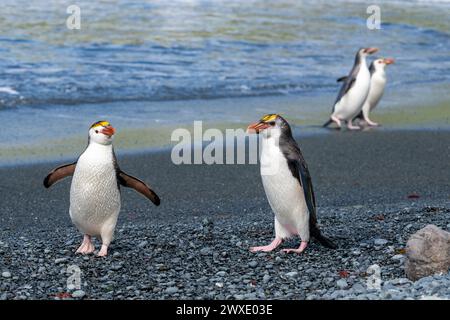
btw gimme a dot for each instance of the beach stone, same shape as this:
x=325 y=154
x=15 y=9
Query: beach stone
x=380 y=242
x=342 y=284
x=6 y=274
x=142 y=244
x=292 y=274
x=78 y=294
x=427 y=253
x=172 y=290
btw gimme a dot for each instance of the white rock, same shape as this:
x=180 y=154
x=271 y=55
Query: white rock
x=342 y=284
x=380 y=242
x=427 y=253
x=78 y=294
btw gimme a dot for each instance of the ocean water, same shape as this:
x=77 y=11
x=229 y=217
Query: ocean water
x=143 y=62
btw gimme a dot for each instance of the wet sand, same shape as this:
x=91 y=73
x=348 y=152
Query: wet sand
x=348 y=168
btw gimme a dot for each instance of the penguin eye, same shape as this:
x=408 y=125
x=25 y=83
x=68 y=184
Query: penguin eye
x=272 y=123
x=96 y=131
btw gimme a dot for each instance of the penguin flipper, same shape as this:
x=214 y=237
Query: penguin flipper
x=341 y=79
x=299 y=169
x=138 y=185
x=311 y=203
x=59 y=173
x=349 y=81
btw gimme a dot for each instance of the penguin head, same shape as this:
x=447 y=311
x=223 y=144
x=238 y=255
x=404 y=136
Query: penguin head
x=270 y=126
x=364 y=52
x=380 y=64
x=101 y=132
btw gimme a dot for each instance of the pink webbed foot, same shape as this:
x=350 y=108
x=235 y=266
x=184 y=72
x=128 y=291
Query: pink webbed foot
x=86 y=246
x=300 y=249
x=103 y=251
x=337 y=121
x=371 y=123
x=350 y=126
x=275 y=243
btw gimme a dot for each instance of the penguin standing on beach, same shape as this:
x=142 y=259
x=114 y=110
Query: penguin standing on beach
x=287 y=184
x=377 y=85
x=95 y=191
x=353 y=92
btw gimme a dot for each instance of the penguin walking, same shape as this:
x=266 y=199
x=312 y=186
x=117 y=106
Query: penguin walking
x=378 y=80
x=95 y=191
x=353 y=92
x=287 y=184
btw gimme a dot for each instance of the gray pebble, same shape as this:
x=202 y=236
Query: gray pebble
x=380 y=242
x=78 y=294
x=342 y=284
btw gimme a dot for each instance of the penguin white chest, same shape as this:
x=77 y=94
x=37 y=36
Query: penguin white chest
x=94 y=193
x=283 y=190
x=377 y=84
x=351 y=103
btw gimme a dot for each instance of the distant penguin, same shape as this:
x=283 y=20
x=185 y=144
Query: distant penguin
x=95 y=191
x=353 y=92
x=377 y=85
x=287 y=184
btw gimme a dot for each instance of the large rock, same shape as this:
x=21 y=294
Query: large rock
x=427 y=253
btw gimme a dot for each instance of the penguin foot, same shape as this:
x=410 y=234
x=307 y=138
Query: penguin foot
x=337 y=121
x=86 y=246
x=103 y=251
x=300 y=249
x=371 y=123
x=275 y=243
x=350 y=126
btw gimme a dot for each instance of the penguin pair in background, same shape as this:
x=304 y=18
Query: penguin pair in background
x=353 y=93
x=287 y=184
x=377 y=84
x=95 y=199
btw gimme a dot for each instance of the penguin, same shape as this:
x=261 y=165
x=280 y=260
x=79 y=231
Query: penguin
x=95 y=199
x=287 y=184
x=354 y=91
x=377 y=85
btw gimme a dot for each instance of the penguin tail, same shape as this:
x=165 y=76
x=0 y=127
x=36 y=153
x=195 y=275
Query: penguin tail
x=326 y=124
x=327 y=243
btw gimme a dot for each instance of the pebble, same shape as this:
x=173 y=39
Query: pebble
x=60 y=260
x=253 y=264
x=6 y=274
x=380 y=242
x=292 y=274
x=142 y=244
x=171 y=290
x=78 y=294
x=342 y=284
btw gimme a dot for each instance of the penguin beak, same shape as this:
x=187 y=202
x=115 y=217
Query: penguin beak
x=389 y=61
x=371 y=50
x=108 y=131
x=257 y=127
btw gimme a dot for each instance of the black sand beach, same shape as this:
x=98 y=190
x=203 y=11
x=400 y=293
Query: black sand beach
x=195 y=245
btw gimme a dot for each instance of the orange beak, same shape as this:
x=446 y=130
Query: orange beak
x=108 y=131
x=389 y=61
x=257 y=127
x=371 y=50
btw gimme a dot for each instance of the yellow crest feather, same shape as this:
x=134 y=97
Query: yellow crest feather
x=100 y=124
x=269 y=117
